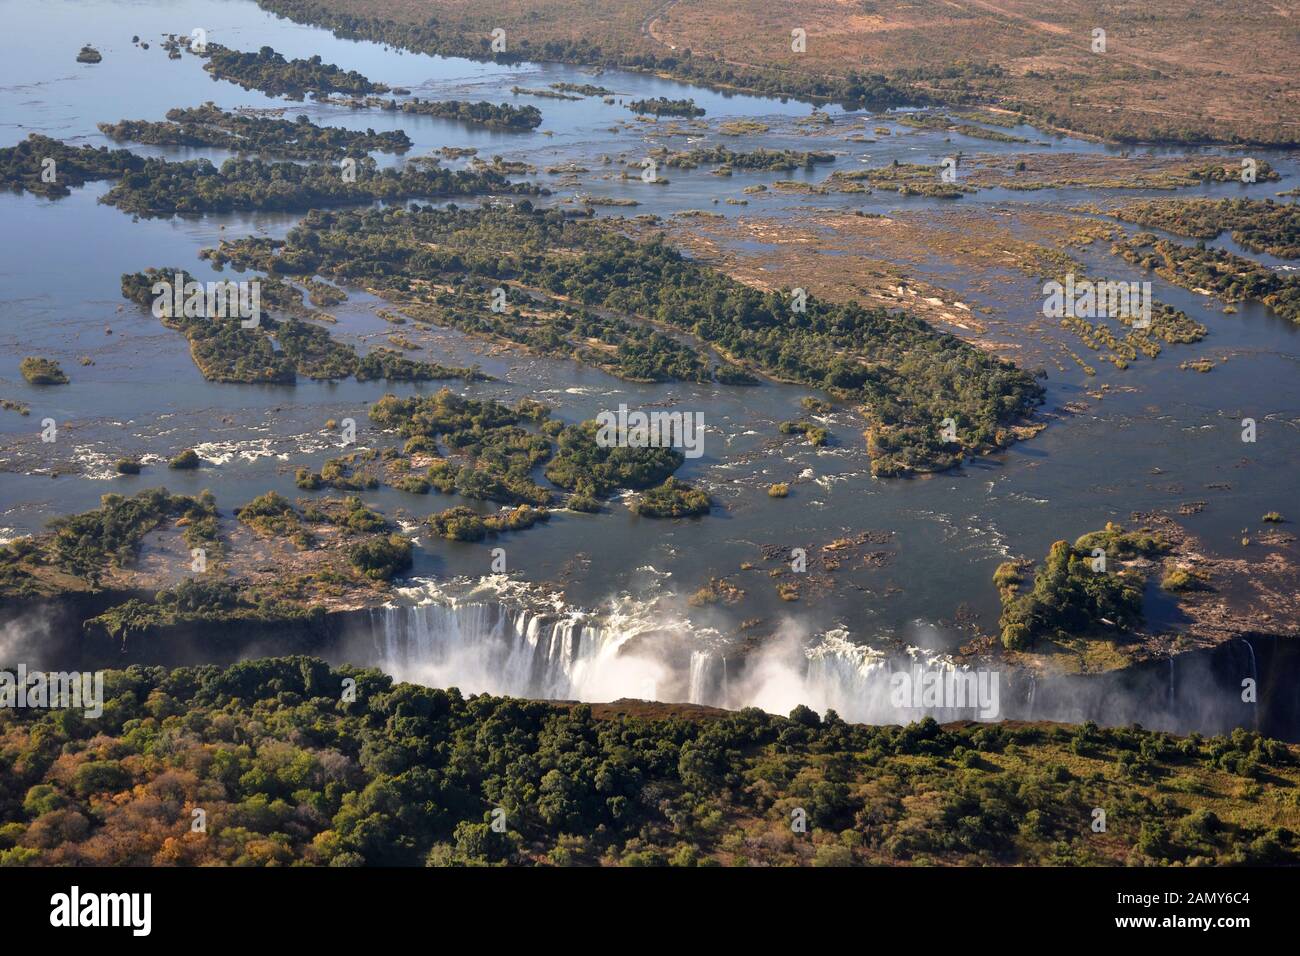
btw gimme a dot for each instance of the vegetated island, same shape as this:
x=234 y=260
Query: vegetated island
x=225 y=351
x=208 y=125
x=1211 y=271
x=1083 y=608
x=907 y=376
x=273 y=75
x=49 y=168
x=158 y=187
x=42 y=371
x=162 y=188
x=662 y=106
x=1258 y=225
x=270 y=73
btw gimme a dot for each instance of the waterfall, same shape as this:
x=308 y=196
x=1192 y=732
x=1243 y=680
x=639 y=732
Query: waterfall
x=1254 y=674
x=701 y=668
x=500 y=637
x=493 y=648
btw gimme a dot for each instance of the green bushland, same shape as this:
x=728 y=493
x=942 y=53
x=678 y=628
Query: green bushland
x=465 y=524
x=767 y=160
x=88 y=544
x=816 y=434
x=291 y=772
x=196 y=601
x=499 y=116
x=502 y=454
x=185 y=460
x=629 y=350
x=381 y=558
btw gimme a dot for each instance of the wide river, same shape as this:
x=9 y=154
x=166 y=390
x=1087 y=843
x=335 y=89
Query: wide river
x=1162 y=437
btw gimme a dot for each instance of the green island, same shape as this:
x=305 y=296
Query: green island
x=225 y=351
x=767 y=160
x=816 y=434
x=662 y=106
x=465 y=524
x=1213 y=271
x=499 y=455
x=907 y=376
x=499 y=116
x=672 y=499
x=290 y=772
x=208 y=125
x=24 y=167
x=1095 y=585
x=327 y=553
x=582 y=89
x=273 y=75
x=163 y=188
x=42 y=371
x=1260 y=225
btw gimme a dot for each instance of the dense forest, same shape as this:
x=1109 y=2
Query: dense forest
x=908 y=376
x=291 y=765
x=208 y=125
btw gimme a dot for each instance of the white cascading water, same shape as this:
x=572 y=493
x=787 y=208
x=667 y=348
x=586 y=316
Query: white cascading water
x=502 y=637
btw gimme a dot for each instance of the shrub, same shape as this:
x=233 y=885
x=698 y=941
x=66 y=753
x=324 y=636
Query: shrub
x=42 y=371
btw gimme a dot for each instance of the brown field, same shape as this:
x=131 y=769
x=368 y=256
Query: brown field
x=1189 y=70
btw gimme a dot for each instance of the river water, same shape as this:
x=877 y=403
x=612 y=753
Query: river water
x=1161 y=438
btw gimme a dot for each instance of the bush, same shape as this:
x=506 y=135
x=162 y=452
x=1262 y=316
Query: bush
x=187 y=459
x=381 y=558
x=42 y=371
